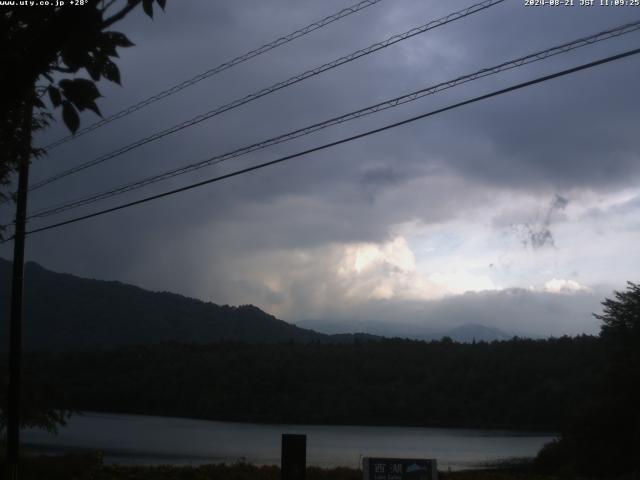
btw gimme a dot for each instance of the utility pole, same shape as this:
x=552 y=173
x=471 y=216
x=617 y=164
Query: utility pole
x=17 y=281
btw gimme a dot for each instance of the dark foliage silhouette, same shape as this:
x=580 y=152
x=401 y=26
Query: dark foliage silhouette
x=603 y=439
x=44 y=51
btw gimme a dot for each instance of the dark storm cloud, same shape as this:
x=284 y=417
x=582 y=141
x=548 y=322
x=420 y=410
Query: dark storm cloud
x=376 y=179
x=380 y=177
x=521 y=139
x=574 y=133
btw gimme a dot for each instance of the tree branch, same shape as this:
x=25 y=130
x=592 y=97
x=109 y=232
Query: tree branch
x=108 y=5
x=120 y=15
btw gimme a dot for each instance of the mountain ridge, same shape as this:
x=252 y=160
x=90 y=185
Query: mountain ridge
x=464 y=333
x=63 y=311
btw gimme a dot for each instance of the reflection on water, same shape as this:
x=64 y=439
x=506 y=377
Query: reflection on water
x=146 y=440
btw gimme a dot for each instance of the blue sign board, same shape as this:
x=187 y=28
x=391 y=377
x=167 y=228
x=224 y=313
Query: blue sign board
x=399 y=469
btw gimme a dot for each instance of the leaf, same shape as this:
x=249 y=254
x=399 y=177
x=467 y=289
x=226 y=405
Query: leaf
x=118 y=39
x=70 y=116
x=162 y=3
x=147 y=6
x=94 y=108
x=93 y=68
x=65 y=83
x=54 y=95
x=82 y=93
x=79 y=91
x=38 y=152
x=110 y=71
x=72 y=58
x=107 y=46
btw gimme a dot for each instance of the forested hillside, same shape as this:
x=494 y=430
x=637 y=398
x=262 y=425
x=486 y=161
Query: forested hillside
x=62 y=311
x=518 y=383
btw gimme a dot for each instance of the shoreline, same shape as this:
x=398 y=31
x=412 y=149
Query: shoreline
x=90 y=466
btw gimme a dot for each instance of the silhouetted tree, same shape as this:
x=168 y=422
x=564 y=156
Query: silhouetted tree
x=43 y=49
x=620 y=332
x=604 y=440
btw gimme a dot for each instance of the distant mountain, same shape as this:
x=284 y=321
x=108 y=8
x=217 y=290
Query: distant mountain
x=344 y=326
x=62 y=311
x=464 y=333
x=479 y=333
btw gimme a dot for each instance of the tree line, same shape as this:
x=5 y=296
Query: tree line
x=531 y=384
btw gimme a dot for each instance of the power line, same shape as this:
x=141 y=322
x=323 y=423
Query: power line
x=218 y=69
x=278 y=86
x=394 y=102
x=344 y=140
x=7 y=239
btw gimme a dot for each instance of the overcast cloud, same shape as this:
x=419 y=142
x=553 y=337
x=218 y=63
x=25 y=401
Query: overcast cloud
x=522 y=211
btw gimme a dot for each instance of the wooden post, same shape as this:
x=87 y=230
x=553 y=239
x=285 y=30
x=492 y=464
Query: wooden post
x=293 y=463
x=17 y=282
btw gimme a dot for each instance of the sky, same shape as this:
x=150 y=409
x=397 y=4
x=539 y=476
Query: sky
x=520 y=212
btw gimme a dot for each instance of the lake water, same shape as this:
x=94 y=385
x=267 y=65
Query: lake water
x=146 y=440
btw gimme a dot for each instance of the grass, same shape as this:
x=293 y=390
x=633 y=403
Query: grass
x=90 y=467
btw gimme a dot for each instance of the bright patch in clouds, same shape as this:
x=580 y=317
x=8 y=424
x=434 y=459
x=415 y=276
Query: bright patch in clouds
x=559 y=285
x=389 y=271
x=382 y=271
x=395 y=253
